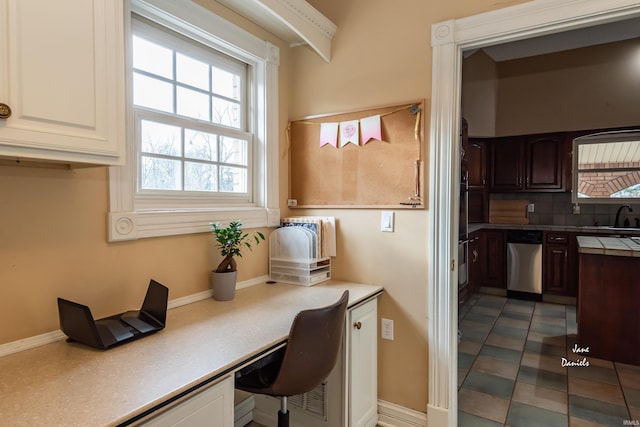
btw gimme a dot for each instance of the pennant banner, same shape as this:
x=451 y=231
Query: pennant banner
x=348 y=132
x=370 y=129
x=329 y=134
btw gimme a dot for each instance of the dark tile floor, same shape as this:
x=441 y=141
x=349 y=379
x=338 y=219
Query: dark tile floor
x=511 y=373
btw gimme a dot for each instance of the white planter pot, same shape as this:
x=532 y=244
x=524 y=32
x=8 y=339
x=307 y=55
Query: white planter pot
x=223 y=285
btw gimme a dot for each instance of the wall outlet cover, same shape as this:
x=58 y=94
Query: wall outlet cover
x=387 y=221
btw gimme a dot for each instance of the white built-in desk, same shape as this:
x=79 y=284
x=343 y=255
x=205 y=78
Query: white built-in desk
x=69 y=384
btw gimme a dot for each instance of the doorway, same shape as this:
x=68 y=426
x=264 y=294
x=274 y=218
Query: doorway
x=449 y=40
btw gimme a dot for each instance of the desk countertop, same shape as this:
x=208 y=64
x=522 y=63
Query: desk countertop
x=74 y=385
x=616 y=246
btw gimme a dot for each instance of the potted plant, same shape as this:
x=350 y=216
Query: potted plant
x=230 y=240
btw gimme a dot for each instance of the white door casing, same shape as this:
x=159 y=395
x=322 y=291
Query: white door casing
x=448 y=40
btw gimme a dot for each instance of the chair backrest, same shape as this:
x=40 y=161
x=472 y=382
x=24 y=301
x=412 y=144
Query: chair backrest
x=312 y=348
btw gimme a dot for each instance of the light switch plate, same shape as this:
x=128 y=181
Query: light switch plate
x=386 y=221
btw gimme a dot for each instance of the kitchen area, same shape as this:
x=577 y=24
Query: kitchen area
x=550 y=232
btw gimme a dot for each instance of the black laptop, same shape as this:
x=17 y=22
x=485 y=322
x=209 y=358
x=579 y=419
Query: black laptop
x=78 y=324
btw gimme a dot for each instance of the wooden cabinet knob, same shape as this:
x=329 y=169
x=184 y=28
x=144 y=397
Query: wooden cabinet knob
x=357 y=325
x=5 y=111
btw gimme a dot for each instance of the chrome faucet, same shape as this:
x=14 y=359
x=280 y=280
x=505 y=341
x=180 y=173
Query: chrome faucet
x=617 y=223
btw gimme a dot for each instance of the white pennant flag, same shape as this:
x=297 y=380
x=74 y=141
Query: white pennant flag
x=329 y=134
x=348 y=132
x=370 y=129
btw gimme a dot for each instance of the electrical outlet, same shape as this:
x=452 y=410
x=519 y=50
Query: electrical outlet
x=531 y=207
x=387 y=329
x=292 y=202
x=576 y=209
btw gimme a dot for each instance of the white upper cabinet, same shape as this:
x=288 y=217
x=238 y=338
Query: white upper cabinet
x=62 y=77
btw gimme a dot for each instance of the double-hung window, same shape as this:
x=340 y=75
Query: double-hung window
x=203 y=125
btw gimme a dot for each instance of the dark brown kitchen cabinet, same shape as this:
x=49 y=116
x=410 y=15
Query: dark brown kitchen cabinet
x=476 y=154
x=528 y=163
x=557 y=264
x=493 y=255
x=474 y=263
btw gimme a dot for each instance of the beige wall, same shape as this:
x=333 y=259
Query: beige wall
x=53 y=241
x=588 y=88
x=381 y=56
x=480 y=93
x=53 y=222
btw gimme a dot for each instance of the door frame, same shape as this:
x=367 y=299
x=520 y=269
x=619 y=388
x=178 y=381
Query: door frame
x=448 y=40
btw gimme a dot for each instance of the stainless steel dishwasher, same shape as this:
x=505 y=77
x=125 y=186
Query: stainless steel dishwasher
x=524 y=264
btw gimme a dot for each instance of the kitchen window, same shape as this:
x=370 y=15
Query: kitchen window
x=606 y=167
x=203 y=123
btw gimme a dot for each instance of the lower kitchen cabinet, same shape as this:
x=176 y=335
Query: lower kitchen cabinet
x=212 y=406
x=362 y=365
x=349 y=396
x=557 y=264
x=493 y=256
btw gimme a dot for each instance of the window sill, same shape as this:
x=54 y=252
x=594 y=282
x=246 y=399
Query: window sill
x=143 y=224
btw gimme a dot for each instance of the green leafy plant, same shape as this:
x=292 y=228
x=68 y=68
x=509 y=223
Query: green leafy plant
x=231 y=240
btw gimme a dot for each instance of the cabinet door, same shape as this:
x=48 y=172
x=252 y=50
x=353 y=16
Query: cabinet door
x=494 y=258
x=62 y=75
x=475 y=270
x=556 y=268
x=544 y=163
x=363 y=365
x=211 y=407
x=507 y=164
x=476 y=162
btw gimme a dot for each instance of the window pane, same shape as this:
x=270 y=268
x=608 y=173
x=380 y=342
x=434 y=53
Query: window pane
x=152 y=93
x=233 y=180
x=225 y=112
x=193 y=104
x=233 y=151
x=192 y=72
x=160 y=174
x=200 y=176
x=225 y=83
x=158 y=138
x=200 y=145
x=152 y=58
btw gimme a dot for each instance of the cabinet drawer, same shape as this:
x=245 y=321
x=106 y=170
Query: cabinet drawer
x=557 y=237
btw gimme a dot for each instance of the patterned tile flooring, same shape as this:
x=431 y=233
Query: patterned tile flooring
x=511 y=373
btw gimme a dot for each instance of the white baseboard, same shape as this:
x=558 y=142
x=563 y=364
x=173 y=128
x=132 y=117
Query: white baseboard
x=392 y=415
x=58 y=335
x=31 y=342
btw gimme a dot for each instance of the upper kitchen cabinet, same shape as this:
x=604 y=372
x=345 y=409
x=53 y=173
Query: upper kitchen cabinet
x=528 y=163
x=62 y=81
x=476 y=154
x=476 y=160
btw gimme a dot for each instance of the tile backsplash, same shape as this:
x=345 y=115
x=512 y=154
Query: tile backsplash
x=557 y=209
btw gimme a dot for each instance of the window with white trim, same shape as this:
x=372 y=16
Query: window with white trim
x=190 y=108
x=203 y=123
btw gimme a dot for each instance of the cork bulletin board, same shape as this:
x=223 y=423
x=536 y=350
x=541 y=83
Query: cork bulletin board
x=383 y=173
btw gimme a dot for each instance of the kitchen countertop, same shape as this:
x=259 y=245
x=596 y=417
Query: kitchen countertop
x=69 y=384
x=616 y=246
x=569 y=228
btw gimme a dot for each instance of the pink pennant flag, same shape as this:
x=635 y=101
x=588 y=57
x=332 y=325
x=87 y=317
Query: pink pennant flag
x=370 y=129
x=348 y=132
x=329 y=134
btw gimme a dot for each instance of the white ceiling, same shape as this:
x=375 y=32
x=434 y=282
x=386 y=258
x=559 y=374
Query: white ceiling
x=590 y=36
